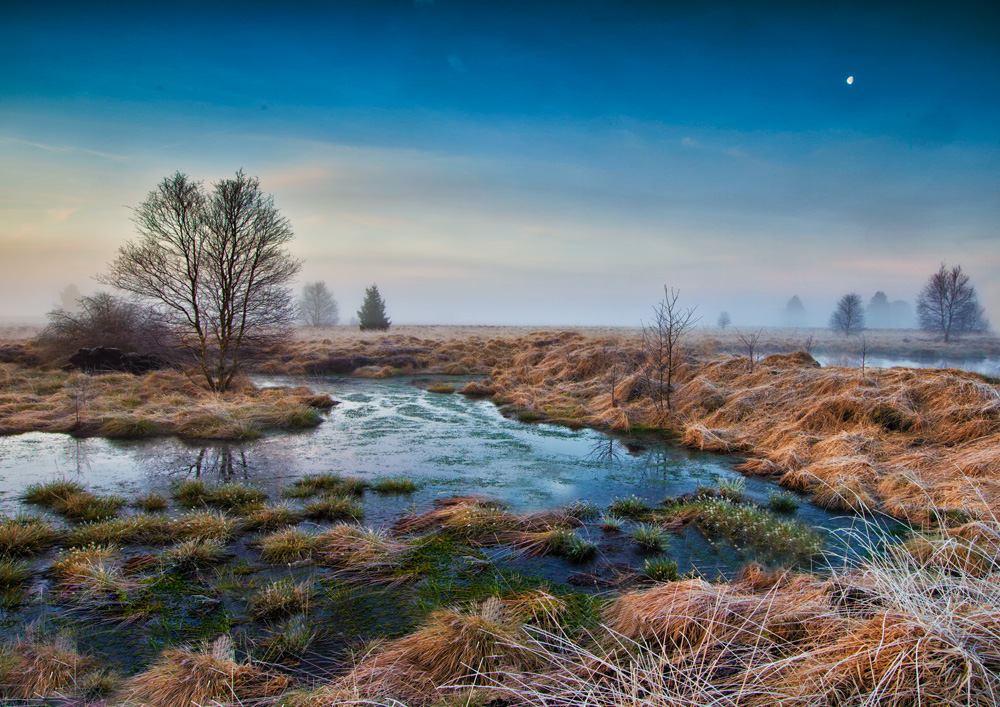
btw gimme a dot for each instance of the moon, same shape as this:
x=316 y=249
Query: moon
x=850 y=80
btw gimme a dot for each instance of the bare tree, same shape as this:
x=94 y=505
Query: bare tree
x=660 y=346
x=724 y=320
x=215 y=266
x=105 y=320
x=749 y=345
x=849 y=316
x=317 y=306
x=948 y=304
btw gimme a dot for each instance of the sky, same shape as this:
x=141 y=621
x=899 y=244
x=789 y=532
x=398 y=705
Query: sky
x=539 y=163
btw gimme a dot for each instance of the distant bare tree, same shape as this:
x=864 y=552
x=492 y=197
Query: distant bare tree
x=849 y=316
x=724 y=320
x=749 y=345
x=215 y=266
x=317 y=306
x=948 y=304
x=660 y=346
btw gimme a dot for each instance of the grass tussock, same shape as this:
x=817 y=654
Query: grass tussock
x=25 y=535
x=288 y=546
x=39 y=669
x=455 y=647
x=334 y=508
x=201 y=677
x=362 y=554
x=280 y=599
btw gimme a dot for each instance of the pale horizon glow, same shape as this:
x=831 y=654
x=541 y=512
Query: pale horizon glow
x=516 y=165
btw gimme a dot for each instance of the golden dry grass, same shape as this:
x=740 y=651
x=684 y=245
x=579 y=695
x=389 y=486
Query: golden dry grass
x=192 y=678
x=120 y=405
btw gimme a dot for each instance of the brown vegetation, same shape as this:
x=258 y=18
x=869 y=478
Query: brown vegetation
x=122 y=405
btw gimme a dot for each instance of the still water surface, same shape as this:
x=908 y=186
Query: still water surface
x=448 y=444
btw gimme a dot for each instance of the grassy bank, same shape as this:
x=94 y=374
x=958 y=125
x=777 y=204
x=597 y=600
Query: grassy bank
x=123 y=406
x=226 y=597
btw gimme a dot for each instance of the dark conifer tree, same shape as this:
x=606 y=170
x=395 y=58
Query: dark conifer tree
x=372 y=312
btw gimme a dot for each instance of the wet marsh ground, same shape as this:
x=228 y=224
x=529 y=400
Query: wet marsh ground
x=527 y=563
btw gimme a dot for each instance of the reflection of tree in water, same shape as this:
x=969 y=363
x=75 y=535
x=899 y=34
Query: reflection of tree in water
x=665 y=463
x=221 y=460
x=605 y=451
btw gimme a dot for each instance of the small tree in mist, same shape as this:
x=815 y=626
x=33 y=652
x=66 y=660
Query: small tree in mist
x=317 y=306
x=848 y=317
x=372 y=312
x=748 y=343
x=724 y=320
x=105 y=320
x=69 y=298
x=214 y=265
x=661 y=352
x=878 y=314
x=795 y=313
x=948 y=304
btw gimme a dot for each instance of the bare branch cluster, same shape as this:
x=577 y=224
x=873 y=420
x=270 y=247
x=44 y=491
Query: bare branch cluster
x=214 y=265
x=660 y=339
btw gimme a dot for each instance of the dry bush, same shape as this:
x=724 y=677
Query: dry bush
x=36 y=669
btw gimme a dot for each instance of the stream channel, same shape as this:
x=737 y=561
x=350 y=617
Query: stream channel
x=449 y=445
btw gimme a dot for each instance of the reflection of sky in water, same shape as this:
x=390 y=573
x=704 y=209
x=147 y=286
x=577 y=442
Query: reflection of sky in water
x=449 y=444
x=984 y=365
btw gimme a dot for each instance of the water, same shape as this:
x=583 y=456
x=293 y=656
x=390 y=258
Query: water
x=985 y=365
x=448 y=444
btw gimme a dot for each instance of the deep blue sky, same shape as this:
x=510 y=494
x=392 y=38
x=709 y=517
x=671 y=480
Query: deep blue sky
x=538 y=163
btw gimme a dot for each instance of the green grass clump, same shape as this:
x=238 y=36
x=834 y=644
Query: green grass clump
x=629 y=507
x=233 y=496
x=207 y=525
x=141 y=529
x=315 y=484
x=25 y=535
x=733 y=489
x=13 y=574
x=191 y=493
x=571 y=546
x=334 y=508
x=782 y=502
x=755 y=529
x=395 y=485
x=292 y=637
x=289 y=545
x=85 y=507
x=583 y=510
x=279 y=599
x=151 y=502
x=443 y=388
x=191 y=555
x=660 y=569
x=650 y=537
x=611 y=523
x=48 y=493
x=272 y=517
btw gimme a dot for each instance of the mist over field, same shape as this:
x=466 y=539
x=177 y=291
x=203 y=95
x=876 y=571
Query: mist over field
x=503 y=163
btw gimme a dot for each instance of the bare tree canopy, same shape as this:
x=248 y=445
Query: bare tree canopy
x=317 y=307
x=660 y=343
x=849 y=316
x=214 y=265
x=948 y=304
x=724 y=320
